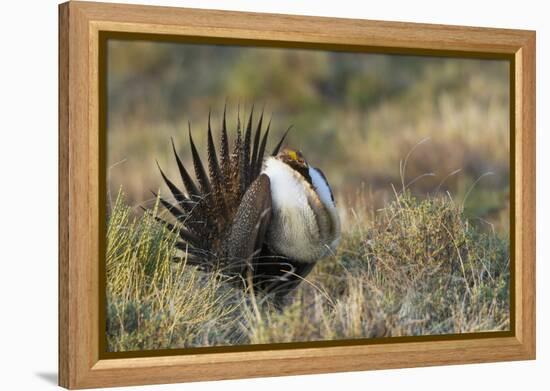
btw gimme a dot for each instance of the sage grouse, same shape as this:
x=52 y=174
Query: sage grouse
x=264 y=220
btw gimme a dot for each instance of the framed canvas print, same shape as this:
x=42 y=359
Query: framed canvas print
x=247 y=195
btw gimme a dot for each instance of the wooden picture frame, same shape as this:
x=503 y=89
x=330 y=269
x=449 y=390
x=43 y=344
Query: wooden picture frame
x=81 y=25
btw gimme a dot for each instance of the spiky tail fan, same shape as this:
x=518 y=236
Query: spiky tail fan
x=223 y=216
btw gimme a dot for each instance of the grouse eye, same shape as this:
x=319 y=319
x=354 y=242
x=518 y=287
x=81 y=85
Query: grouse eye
x=293 y=155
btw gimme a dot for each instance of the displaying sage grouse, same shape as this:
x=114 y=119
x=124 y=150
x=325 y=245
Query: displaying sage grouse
x=264 y=220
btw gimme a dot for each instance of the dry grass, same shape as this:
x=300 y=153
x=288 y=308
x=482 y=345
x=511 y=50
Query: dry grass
x=416 y=267
x=154 y=303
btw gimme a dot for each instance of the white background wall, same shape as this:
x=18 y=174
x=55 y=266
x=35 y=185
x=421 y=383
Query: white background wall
x=28 y=207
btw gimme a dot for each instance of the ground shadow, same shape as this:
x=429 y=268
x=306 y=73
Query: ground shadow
x=49 y=377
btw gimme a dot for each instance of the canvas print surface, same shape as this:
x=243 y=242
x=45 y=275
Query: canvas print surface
x=264 y=195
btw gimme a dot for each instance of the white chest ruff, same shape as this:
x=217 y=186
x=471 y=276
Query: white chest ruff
x=305 y=225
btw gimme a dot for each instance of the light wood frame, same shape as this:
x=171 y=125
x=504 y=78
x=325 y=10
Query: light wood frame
x=80 y=24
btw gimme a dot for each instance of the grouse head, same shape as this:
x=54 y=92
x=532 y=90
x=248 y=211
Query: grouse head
x=296 y=160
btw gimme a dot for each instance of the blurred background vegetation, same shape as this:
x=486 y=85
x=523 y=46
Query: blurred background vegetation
x=355 y=115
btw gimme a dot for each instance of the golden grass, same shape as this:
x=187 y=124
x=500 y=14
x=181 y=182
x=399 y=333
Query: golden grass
x=416 y=267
